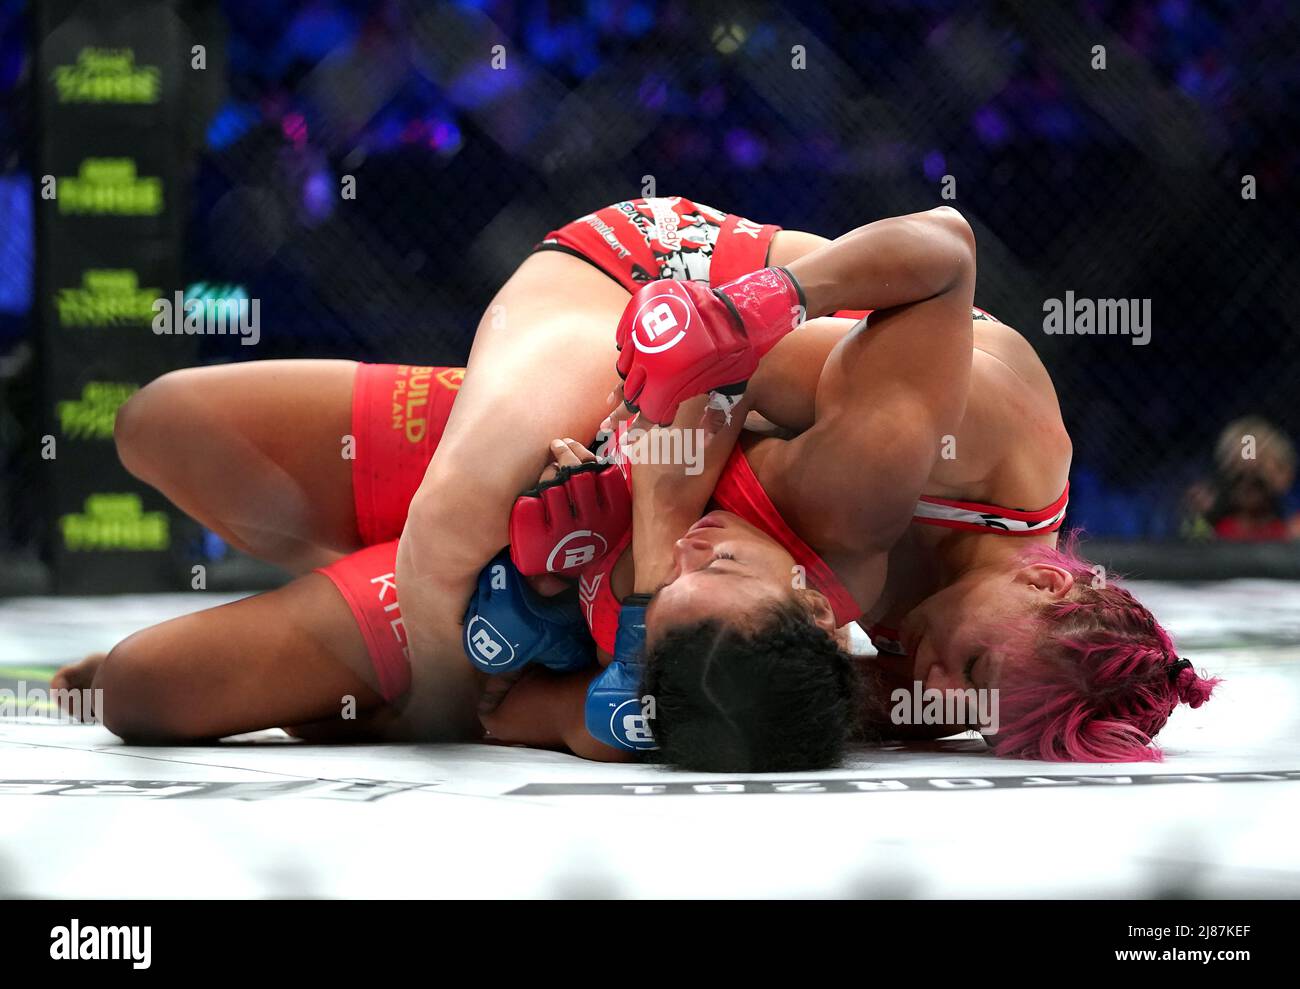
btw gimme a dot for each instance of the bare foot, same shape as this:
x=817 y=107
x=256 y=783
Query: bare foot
x=78 y=677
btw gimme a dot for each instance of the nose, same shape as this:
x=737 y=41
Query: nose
x=936 y=678
x=692 y=553
x=929 y=668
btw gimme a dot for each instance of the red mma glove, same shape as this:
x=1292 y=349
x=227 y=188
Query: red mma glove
x=678 y=339
x=564 y=524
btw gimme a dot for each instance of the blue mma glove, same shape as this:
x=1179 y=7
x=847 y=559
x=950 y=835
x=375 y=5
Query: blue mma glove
x=509 y=625
x=614 y=714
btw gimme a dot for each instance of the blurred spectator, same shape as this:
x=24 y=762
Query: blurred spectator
x=1249 y=496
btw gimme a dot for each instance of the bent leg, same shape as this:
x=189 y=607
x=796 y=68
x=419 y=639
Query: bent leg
x=253 y=451
x=542 y=364
x=286 y=657
x=541 y=367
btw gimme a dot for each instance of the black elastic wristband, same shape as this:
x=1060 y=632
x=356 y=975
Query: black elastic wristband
x=731 y=307
x=798 y=289
x=562 y=475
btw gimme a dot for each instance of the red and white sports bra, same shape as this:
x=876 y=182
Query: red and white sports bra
x=974 y=517
x=739 y=491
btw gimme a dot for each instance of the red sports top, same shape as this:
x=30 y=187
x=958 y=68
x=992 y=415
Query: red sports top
x=738 y=491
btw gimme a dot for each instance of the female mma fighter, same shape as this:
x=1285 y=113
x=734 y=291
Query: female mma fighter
x=312 y=464
x=293 y=533
x=1085 y=672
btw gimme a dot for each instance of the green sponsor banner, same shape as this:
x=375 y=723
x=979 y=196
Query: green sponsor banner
x=91 y=416
x=109 y=187
x=106 y=76
x=121 y=113
x=106 y=297
x=115 y=521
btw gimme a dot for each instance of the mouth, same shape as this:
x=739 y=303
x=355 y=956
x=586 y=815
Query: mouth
x=710 y=521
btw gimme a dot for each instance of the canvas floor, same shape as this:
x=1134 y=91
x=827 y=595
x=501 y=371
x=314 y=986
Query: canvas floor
x=82 y=815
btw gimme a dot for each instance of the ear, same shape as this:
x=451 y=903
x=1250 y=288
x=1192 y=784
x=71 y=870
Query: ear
x=820 y=609
x=1052 y=580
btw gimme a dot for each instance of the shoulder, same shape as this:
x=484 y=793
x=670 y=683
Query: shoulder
x=1008 y=347
x=1013 y=412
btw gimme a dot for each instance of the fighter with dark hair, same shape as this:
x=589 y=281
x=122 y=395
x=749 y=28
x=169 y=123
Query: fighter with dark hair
x=798 y=551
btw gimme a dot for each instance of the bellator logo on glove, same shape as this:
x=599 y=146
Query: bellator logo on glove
x=688 y=339
x=564 y=524
x=658 y=317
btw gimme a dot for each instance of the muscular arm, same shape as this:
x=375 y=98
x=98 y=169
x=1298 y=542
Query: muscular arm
x=897 y=261
x=667 y=498
x=891 y=389
x=917 y=271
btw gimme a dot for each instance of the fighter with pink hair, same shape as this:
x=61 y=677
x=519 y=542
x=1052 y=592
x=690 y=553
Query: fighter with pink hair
x=889 y=449
x=902 y=436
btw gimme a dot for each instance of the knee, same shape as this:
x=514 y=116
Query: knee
x=441 y=543
x=139 y=424
x=471 y=469
x=134 y=700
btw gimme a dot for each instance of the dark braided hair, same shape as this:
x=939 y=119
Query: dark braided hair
x=775 y=695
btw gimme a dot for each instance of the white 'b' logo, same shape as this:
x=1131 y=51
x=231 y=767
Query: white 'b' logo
x=660 y=316
x=636 y=730
x=659 y=321
x=579 y=557
x=630 y=727
x=485 y=645
x=571 y=556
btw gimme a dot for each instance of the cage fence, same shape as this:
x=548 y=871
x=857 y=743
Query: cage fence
x=1136 y=151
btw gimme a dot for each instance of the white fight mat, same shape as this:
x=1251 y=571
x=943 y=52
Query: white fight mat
x=82 y=815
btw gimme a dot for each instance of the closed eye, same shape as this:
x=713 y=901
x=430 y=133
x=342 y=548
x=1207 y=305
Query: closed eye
x=739 y=570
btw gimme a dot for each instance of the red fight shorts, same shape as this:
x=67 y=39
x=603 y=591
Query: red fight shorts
x=642 y=240
x=399 y=412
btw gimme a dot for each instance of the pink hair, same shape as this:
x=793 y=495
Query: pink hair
x=1094 y=680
